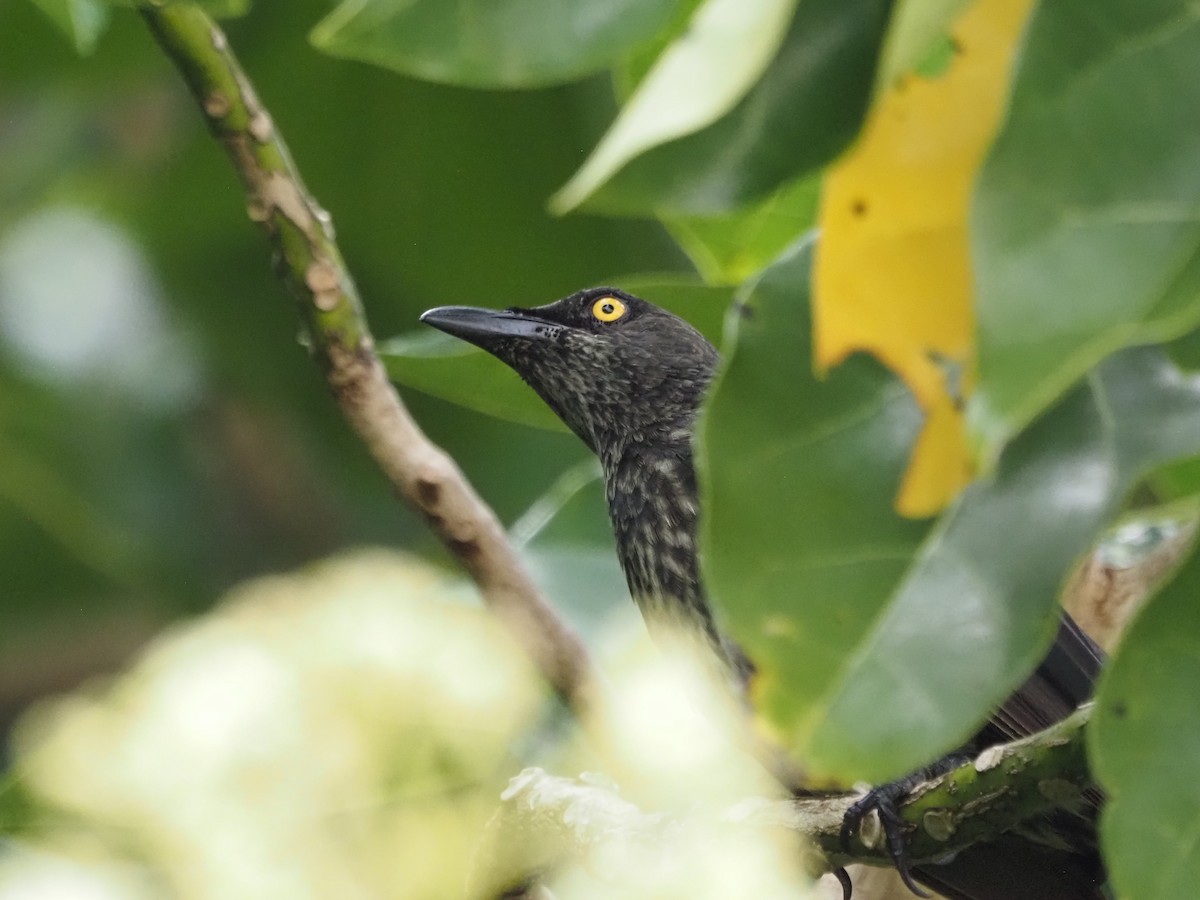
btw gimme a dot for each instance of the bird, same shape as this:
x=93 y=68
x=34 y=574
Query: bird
x=628 y=378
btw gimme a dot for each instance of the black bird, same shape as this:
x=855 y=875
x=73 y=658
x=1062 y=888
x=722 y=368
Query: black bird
x=628 y=378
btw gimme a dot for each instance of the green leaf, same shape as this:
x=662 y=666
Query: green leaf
x=1144 y=741
x=83 y=21
x=219 y=9
x=729 y=249
x=801 y=544
x=453 y=370
x=882 y=643
x=1177 y=481
x=1087 y=213
x=1185 y=351
x=696 y=80
x=497 y=44
x=980 y=598
x=917 y=26
x=808 y=104
x=628 y=73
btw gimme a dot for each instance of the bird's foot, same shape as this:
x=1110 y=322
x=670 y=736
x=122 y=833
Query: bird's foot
x=885 y=800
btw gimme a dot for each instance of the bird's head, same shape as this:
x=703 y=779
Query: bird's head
x=615 y=368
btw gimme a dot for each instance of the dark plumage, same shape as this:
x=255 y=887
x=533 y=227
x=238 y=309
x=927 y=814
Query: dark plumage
x=630 y=388
x=629 y=378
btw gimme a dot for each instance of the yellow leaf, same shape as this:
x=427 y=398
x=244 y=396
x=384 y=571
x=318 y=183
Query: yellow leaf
x=893 y=274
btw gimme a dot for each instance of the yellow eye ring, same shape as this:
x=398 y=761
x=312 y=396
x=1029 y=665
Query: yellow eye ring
x=608 y=309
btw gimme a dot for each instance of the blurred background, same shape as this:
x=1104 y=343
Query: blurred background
x=163 y=434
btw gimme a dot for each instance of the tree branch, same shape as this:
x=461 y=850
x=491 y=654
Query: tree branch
x=309 y=262
x=545 y=818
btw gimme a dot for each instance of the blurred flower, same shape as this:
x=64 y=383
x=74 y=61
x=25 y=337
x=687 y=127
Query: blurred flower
x=347 y=731
x=700 y=860
x=677 y=736
x=31 y=875
x=678 y=744
x=342 y=732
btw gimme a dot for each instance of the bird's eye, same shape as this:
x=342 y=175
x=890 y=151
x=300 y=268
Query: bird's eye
x=608 y=309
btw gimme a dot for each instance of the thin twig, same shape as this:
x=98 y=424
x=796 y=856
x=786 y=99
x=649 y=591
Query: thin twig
x=309 y=262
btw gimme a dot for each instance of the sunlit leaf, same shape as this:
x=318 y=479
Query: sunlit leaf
x=453 y=370
x=1144 y=740
x=893 y=275
x=728 y=249
x=696 y=80
x=806 y=107
x=1086 y=227
x=628 y=73
x=504 y=43
x=83 y=21
x=881 y=642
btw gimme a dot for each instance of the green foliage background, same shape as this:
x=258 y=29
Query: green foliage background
x=117 y=516
x=163 y=437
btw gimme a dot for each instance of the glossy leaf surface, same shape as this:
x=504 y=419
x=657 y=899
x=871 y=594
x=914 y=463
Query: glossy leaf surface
x=1086 y=227
x=806 y=107
x=1144 y=742
x=802 y=545
x=977 y=610
x=880 y=646
x=696 y=80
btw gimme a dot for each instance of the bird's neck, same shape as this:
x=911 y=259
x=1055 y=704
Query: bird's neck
x=654 y=506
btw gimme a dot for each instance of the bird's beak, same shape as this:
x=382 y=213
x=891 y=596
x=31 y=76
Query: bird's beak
x=483 y=327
